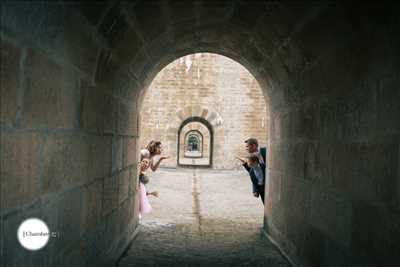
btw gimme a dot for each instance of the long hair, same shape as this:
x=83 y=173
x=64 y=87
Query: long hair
x=152 y=147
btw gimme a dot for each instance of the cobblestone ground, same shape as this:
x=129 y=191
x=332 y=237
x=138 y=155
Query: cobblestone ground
x=202 y=218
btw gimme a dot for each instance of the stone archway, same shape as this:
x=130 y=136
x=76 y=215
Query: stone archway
x=204 y=130
x=73 y=75
x=193 y=142
x=184 y=115
x=211 y=80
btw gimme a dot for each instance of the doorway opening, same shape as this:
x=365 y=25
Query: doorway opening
x=195 y=146
x=202 y=107
x=223 y=96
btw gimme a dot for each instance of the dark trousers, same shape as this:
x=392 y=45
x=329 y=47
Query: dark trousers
x=261 y=191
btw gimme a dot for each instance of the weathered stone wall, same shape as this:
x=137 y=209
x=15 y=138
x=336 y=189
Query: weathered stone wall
x=65 y=156
x=335 y=143
x=211 y=82
x=73 y=76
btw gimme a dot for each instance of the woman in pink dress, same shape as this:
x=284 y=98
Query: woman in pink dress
x=149 y=158
x=144 y=204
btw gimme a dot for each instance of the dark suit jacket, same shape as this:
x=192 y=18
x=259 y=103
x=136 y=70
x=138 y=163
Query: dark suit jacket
x=253 y=177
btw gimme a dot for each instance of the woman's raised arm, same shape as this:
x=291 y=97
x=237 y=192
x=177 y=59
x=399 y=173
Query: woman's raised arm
x=154 y=165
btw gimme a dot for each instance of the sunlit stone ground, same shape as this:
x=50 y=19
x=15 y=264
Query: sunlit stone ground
x=202 y=218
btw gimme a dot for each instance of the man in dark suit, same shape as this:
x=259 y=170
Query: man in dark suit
x=258 y=179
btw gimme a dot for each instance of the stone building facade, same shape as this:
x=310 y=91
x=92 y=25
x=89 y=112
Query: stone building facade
x=209 y=93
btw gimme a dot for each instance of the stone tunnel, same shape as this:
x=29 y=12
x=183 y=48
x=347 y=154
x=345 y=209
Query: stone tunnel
x=73 y=76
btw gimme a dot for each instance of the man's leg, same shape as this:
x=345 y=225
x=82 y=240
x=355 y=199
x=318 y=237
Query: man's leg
x=261 y=191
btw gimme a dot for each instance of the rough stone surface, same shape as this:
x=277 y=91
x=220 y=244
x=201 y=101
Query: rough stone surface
x=50 y=98
x=110 y=197
x=65 y=162
x=9 y=85
x=91 y=206
x=201 y=82
x=329 y=71
x=202 y=218
x=93 y=106
x=19 y=169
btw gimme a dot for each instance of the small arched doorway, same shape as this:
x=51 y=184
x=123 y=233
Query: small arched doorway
x=195 y=143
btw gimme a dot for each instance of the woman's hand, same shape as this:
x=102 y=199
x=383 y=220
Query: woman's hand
x=155 y=162
x=155 y=193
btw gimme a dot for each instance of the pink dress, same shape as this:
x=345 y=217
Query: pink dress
x=144 y=205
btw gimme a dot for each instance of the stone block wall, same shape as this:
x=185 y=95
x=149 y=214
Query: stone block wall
x=73 y=75
x=68 y=143
x=205 y=82
x=335 y=164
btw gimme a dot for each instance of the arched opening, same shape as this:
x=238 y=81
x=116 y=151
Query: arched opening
x=214 y=88
x=195 y=145
x=73 y=80
x=202 y=107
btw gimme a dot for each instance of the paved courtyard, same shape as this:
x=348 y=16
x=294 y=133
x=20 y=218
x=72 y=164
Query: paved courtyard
x=202 y=218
